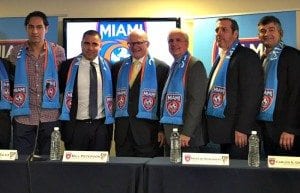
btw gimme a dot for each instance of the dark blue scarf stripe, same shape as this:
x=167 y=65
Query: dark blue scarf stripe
x=107 y=90
x=173 y=93
x=217 y=95
x=271 y=83
x=20 y=105
x=5 y=102
x=147 y=108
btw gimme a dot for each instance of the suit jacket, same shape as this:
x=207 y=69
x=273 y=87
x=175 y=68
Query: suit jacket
x=144 y=131
x=244 y=91
x=194 y=100
x=286 y=117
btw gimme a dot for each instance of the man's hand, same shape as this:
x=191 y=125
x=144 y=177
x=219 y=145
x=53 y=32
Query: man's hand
x=184 y=140
x=286 y=141
x=240 y=139
x=161 y=138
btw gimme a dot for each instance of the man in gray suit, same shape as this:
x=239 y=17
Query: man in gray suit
x=184 y=95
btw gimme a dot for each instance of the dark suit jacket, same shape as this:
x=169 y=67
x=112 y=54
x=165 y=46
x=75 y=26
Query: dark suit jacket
x=144 y=131
x=244 y=90
x=194 y=100
x=287 y=107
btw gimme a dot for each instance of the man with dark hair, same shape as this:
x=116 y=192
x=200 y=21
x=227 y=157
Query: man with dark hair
x=280 y=108
x=35 y=107
x=184 y=94
x=234 y=93
x=139 y=82
x=88 y=98
x=6 y=80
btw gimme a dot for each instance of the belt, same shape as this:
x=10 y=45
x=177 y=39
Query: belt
x=101 y=120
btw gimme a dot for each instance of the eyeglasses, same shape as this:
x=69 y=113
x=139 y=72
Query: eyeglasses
x=131 y=44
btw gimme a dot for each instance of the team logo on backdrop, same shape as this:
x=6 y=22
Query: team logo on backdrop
x=149 y=99
x=109 y=104
x=19 y=96
x=267 y=99
x=121 y=99
x=5 y=89
x=173 y=103
x=51 y=89
x=114 y=50
x=68 y=100
x=218 y=96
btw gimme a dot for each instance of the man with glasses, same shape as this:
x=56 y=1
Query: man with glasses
x=139 y=82
x=280 y=109
x=184 y=95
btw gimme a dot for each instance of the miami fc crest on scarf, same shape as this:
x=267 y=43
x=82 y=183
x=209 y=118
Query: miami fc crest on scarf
x=218 y=96
x=19 y=96
x=69 y=100
x=109 y=104
x=267 y=100
x=5 y=89
x=174 y=102
x=148 y=99
x=121 y=99
x=51 y=89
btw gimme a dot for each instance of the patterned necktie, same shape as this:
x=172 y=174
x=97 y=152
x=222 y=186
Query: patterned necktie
x=93 y=110
x=136 y=67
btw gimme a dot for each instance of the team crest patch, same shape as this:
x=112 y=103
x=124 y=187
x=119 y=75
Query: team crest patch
x=68 y=100
x=5 y=89
x=121 y=99
x=267 y=100
x=173 y=103
x=51 y=89
x=149 y=99
x=19 y=96
x=218 y=96
x=109 y=104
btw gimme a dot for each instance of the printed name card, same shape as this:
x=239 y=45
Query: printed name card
x=283 y=162
x=205 y=159
x=8 y=154
x=86 y=156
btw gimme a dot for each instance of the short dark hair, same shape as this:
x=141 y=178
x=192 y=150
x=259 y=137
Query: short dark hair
x=91 y=33
x=270 y=19
x=37 y=14
x=234 y=24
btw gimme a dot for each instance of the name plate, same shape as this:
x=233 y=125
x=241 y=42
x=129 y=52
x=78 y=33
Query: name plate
x=86 y=156
x=8 y=154
x=283 y=162
x=205 y=159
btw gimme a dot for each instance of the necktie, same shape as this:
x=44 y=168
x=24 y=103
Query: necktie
x=93 y=105
x=134 y=72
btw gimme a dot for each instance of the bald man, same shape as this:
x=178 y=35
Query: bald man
x=139 y=81
x=184 y=95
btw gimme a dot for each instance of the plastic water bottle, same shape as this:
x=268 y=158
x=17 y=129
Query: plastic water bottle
x=175 y=150
x=55 y=149
x=253 y=153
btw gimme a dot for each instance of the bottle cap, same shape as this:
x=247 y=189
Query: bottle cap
x=56 y=128
x=175 y=129
x=253 y=132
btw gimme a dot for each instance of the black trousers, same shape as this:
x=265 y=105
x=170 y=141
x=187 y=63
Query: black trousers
x=5 y=129
x=24 y=137
x=87 y=135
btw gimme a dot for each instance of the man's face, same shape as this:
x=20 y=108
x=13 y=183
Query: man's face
x=224 y=34
x=90 y=46
x=178 y=44
x=138 y=45
x=36 y=30
x=269 y=34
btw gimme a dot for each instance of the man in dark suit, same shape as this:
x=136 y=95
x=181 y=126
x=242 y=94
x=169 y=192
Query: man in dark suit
x=88 y=98
x=184 y=95
x=234 y=93
x=139 y=82
x=280 y=110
